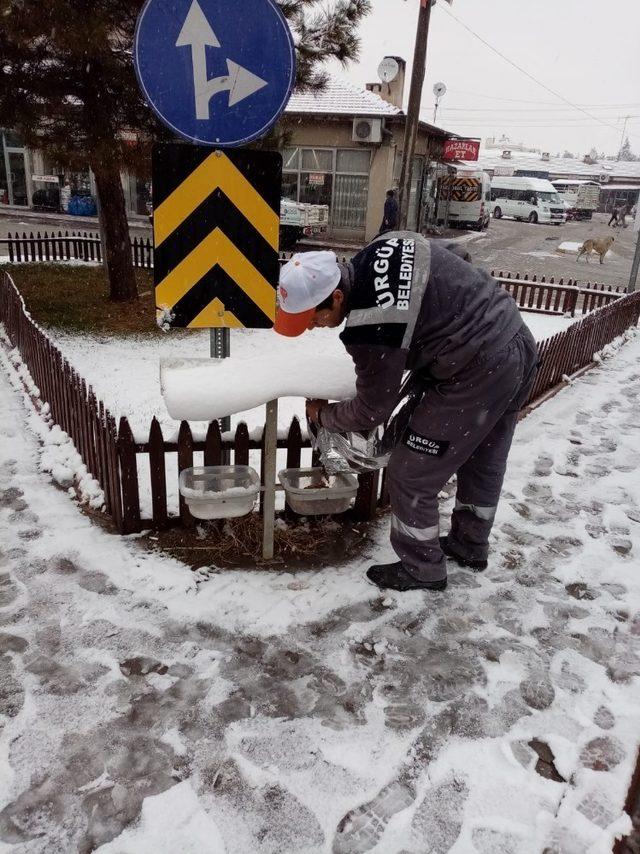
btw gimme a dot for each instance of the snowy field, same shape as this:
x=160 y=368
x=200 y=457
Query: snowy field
x=145 y=709
x=125 y=372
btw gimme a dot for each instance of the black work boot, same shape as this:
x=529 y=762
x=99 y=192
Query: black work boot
x=475 y=565
x=394 y=576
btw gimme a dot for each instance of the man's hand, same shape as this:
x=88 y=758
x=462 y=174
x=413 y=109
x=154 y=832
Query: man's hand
x=313 y=410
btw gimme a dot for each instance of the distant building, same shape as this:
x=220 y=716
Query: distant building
x=505 y=143
x=619 y=180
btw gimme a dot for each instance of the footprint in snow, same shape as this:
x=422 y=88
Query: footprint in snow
x=604 y=718
x=542 y=466
x=8 y=590
x=362 y=828
x=438 y=818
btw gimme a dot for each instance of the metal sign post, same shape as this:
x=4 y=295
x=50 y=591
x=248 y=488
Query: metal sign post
x=219 y=76
x=269 y=479
x=220 y=348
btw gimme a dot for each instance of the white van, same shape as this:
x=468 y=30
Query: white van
x=464 y=200
x=530 y=199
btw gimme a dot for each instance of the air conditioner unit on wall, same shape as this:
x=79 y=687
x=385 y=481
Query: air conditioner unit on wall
x=367 y=130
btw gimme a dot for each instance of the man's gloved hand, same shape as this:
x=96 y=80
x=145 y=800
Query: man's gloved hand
x=314 y=408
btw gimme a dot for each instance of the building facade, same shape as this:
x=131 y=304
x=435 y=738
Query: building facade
x=619 y=180
x=344 y=150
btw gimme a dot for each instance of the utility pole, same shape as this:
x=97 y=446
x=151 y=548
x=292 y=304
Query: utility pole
x=624 y=131
x=633 y=279
x=413 y=110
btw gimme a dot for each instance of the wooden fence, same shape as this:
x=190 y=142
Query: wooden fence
x=113 y=456
x=572 y=349
x=531 y=293
x=76 y=246
x=34 y=248
x=73 y=404
x=538 y=295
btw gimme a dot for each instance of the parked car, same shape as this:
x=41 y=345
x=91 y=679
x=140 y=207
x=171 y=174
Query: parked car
x=527 y=199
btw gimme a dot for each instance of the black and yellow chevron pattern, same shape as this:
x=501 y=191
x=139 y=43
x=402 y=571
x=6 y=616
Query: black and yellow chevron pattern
x=463 y=189
x=216 y=226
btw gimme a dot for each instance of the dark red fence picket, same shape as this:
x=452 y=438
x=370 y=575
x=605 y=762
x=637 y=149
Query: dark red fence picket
x=113 y=456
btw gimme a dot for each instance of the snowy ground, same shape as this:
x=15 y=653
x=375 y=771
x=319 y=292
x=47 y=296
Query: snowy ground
x=125 y=372
x=146 y=709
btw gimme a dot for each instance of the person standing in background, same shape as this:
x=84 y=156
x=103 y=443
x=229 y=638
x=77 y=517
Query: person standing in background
x=390 y=217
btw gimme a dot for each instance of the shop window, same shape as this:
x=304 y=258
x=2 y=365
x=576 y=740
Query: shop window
x=350 y=201
x=290 y=186
x=316 y=188
x=317 y=160
x=353 y=161
x=291 y=159
x=12 y=140
x=4 y=184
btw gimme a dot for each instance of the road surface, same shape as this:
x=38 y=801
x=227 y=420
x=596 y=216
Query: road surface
x=148 y=709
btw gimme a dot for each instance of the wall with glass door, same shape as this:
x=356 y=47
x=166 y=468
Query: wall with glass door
x=14 y=184
x=337 y=177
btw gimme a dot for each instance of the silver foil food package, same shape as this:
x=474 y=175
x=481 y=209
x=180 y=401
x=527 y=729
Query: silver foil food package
x=331 y=460
x=350 y=452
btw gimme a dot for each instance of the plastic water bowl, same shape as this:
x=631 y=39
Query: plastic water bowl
x=311 y=493
x=219 y=492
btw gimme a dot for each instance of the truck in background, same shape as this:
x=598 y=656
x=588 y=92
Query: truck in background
x=298 y=220
x=464 y=200
x=582 y=198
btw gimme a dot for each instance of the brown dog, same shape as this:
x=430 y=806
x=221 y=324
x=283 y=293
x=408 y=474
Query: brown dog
x=600 y=247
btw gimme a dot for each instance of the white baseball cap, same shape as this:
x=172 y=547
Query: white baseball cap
x=305 y=281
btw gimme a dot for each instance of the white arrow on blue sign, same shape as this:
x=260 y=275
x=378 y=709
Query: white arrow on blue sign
x=217 y=72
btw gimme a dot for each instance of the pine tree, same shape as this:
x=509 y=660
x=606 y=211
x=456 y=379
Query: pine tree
x=68 y=88
x=625 y=152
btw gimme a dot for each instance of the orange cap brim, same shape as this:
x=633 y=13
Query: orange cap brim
x=292 y=325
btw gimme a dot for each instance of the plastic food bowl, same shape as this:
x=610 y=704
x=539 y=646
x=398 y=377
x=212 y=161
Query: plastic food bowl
x=308 y=494
x=219 y=492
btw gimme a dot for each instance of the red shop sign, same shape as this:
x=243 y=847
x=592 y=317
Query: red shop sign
x=461 y=149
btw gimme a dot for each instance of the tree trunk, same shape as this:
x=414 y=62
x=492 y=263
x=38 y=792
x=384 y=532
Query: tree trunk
x=117 y=243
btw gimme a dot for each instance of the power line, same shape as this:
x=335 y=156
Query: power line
x=524 y=71
x=524 y=101
x=503 y=120
x=510 y=110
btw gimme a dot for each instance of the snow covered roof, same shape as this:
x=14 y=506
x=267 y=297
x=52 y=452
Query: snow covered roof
x=558 y=166
x=341 y=97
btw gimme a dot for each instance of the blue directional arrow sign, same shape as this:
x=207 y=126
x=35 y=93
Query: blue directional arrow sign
x=218 y=72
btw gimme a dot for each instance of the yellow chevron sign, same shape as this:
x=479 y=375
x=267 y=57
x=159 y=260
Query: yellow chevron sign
x=462 y=189
x=216 y=235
